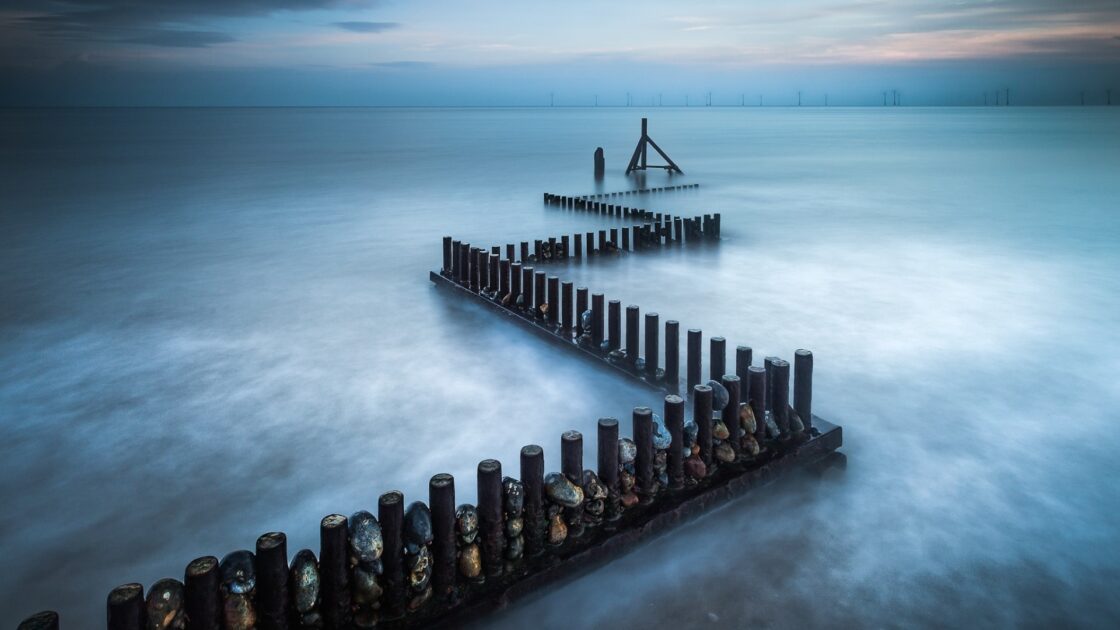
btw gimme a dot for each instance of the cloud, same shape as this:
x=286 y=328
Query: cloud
x=181 y=39
x=366 y=27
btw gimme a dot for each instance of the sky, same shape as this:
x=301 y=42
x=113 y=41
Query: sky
x=574 y=53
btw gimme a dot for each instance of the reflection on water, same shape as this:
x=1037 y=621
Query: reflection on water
x=217 y=323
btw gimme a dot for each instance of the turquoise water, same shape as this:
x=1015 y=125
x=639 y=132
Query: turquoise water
x=216 y=323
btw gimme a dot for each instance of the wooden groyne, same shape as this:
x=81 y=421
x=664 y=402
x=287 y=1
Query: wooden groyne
x=408 y=564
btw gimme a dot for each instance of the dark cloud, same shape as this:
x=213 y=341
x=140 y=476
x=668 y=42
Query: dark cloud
x=181 y=39
x=148 y=21
x=366 y=27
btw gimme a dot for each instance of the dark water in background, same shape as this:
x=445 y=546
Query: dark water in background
x=216 y=323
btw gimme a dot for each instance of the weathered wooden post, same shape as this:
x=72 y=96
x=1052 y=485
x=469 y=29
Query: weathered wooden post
x=602 y=240
x=637 y=237
x=126 y=607
x=757 y=399
x=537 y=250
x=614 y=325
x=717 y=361
x=483 y=270
x=632 y=333
x=539 y=293
x=441 y=499
x=673 y=355
x=781 y=396
x=674 y=422
x=490 y=515
x=608 y=464
x=597 y=320
x=653 y=328
x=577 y=250
x=553 y=300
x=643 y=464
x=590 y=243
x=272 y=581
x=203 y=602
x=803 y=386
x=510 y=253
x=768 y=363
x=527 y=288
x=494 y=268
x=566 y=299
x=532 y=478
x=694 y=340
x=600 y=163
x=731 y=413
x=614 y=236
x=581 y=306
x=625 y=239
x=742 y=364
x=524 y=252
x=464 y=270
x=702 y=416
x=515 y=273
x=571 y=466
x=334 y=575
x=503 y=279
x=565 y=244
x=447 y=255
x=390 y=514
x=45 y=620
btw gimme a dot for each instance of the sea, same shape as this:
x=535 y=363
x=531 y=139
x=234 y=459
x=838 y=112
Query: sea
x=216 y=323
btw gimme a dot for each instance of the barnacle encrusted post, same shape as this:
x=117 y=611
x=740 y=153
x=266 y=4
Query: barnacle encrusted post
x=571 y=465
x=417 y=555
x=303 y=578
x=363 y=555
x=239 y=583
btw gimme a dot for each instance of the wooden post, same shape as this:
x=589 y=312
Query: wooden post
x=553 y=300
x=493 y=266
x=566 y=300
x=46 y=620
x=602 y=240
x=532 y=478
x=537 y=250
x=203 y=602
x=702 y=416
x=441 y=499
x=643 y=464
x=571 y=466
x=742 y=364
x=527 y=288
x=454 y=270
x=597 y=320
x=577 y=250
x=272 y=581
x=446 y=255
x=781 y=396
x=632 y=332
x=483 y=270
x=803 y=387
x=510 y=252
x=694 y=340
x=490 y=516
x=625 y=239
x=614 y=325
x=674 y=422
x=637 y=237
x=652 y=330
x=608 y=464
x=717 y=360
x=614 y=236
x=673 y=355
x=539 y=292
x=515 y=273
x=590 y=243
x=565 y=244
x=464 y=271
x=126 y=607
x=757 y=399
x=524 y=252
x=390 y=514
x=503 y=279
x=768 y=363
x=334 y=574
x=581 y=306
x=731 y=413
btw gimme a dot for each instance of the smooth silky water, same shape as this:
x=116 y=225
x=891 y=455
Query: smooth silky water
x=216 y=323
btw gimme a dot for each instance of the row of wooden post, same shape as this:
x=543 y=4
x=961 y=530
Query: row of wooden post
x=506 y=281
x=204 y=599
x=626 y=193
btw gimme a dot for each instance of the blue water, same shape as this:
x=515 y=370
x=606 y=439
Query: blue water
x=216 y=323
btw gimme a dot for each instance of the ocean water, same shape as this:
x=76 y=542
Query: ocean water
x=216 y=323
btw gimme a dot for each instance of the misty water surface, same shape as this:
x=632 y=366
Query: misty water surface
x=216 y=323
